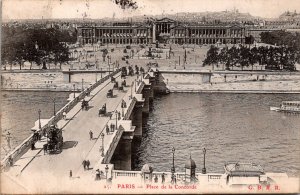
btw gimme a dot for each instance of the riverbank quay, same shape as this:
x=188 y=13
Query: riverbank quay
x=40 y=80
x=176 y=80
x=229 y=81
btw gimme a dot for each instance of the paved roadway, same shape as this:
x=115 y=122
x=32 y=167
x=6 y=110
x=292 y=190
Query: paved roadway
x=48 y=172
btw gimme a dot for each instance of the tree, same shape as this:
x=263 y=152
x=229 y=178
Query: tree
x=211 y=56
x=34 y=45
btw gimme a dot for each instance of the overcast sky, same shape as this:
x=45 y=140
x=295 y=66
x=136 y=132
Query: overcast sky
x=34 y=9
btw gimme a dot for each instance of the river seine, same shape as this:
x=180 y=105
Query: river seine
x=232 y=127
x=20 y=111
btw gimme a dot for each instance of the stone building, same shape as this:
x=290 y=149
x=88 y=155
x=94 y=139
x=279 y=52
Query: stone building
x=162 y=30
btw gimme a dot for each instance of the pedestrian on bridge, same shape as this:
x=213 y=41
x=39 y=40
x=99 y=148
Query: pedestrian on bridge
x=91 y=135
x=155 y=179
x=107 y=129
x=163 y=178
x=119 y=115
x=84 y=164
x=88 y=164
x=98 y=176
x=112 y=127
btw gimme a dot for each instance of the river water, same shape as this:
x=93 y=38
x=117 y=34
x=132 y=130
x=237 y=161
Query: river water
x=232 y=127
x=20 y=111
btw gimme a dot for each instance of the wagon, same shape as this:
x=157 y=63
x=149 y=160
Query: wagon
x=54 y=140
x=110 y=93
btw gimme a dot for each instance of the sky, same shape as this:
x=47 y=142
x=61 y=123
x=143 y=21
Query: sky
x=37 y=9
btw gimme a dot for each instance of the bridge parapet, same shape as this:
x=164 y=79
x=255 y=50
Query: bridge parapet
x=113 y=144
x=121 y=173
x=207 y=179
x=130 y=108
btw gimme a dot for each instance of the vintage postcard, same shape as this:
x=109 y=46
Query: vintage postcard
x=150 y=96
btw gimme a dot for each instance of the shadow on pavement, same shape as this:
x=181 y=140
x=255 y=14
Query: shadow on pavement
x=69 y=144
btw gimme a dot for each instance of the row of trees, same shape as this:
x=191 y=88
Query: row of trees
x=274 y=58
x=35 y=45
x=281 y=38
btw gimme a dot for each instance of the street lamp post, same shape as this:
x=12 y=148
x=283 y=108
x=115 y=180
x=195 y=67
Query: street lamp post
x=116 y=120
x=135 y=84
x=74 y=89
x=101 y=73
x=102 y=148
x=123 y=105
x=173 y=165
x=40 y=125
x=54 y=107
x=82 y=84
x=106 y=171
x=204 y=169
x=131 y=88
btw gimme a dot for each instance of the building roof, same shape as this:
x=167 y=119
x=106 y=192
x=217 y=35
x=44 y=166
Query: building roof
x=190 y=164
x=243 y=169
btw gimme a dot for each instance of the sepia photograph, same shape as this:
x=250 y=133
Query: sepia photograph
x=150 y=96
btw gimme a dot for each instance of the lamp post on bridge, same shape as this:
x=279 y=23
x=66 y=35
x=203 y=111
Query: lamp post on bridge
x=54 y=106
x=135 y=84
x=204 y=169
x=102 y=148
x=74 y=89
x=173 y=165
x=40 y=125
x=106 y=171
x=82 y=84
x=123 y=105
x=131 y=89
x=116 y=119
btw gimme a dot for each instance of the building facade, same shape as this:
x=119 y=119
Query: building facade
x=163 y=31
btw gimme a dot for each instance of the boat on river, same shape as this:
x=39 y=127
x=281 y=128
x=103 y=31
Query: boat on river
x=288 y=106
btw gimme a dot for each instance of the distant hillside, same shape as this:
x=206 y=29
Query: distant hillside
x=194 y=17
x=288 y=16
x=224 y=16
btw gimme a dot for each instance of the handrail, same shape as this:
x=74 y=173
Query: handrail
x=25 y=145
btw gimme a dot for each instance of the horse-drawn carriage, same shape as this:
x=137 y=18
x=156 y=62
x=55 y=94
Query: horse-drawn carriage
x=123 y=83
x=131 y=71
x=85 y=104
x=102 y=111
x=124 y=72
x=110 y=93
x=54 y=140
x=116 y=85
x=121 y=88
x=112 y=79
